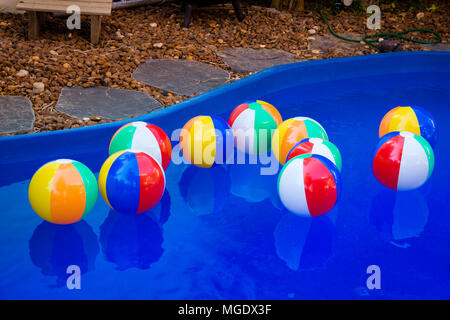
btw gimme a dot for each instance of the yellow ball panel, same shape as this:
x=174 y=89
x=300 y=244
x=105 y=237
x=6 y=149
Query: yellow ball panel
x=40 y=188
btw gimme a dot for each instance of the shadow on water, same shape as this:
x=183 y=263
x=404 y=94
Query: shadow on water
x=161 y=211
x=55 y=247
x=304 y=243
x=205 y=190
x=399 y=216
x=249 y=184
x=135 y=240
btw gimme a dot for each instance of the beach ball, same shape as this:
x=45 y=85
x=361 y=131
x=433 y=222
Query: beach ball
x=317 y=146
x=63 y=191
x=403 y=161
x=145 y=137
x=292 y=131
x=411 y=118
x=308 y=185
x=131 y=181
x=206 y=140
x=253 y=124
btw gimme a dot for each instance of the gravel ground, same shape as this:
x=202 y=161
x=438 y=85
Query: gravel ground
x=129 y=37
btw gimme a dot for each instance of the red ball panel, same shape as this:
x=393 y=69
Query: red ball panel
x=152 y=181
x=386 y=163
x=320 y=187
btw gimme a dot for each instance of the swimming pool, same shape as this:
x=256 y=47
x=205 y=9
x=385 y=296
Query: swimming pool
x=222 y=233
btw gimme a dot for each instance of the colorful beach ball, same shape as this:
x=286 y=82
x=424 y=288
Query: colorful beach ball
x=308 y=185
x=403 y=161
x=131 y=182
x=63 y=191
x=411 y=118
x=145 y=137
x=292 y=131
x=253 y=124
x=206 y=140
x=317 y=146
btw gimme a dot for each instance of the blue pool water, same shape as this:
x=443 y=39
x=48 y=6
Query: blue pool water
x=222 y=233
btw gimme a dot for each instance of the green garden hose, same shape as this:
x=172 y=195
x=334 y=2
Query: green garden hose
x=372 y=39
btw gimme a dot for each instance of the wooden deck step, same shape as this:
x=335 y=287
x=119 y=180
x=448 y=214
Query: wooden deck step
x=93 y=8
x=87 y=7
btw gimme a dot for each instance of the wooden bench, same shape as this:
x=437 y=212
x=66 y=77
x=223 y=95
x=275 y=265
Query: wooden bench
x=36 y=8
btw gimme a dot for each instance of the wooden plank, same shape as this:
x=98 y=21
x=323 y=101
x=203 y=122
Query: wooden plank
x=300 y=5
x=276 y=4
x=90 y=1
x=59 y=1
x=84 y=9
x=64 y=2
x=67 y=2
x=63 y=9
x=103 y=7
x=131 y=3
x=96 y=26
x=98 y=7
x=33 y=25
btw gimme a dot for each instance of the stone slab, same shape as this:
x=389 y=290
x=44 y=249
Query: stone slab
x=329 y=42
x=253 y=60
x=437 y=47
x=107 y=103
x=16 y=114
x=183 y=77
